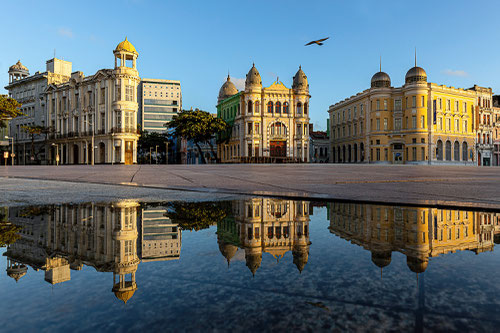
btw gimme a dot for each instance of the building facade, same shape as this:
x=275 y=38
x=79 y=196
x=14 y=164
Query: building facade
x=484 y=125
x=95 y=117
x=266 y=123
x=418 y=123
x=319 y=146
x=159 y=101
x=29 y=90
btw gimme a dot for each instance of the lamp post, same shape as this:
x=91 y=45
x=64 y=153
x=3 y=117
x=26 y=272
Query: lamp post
x=166 y=153
x=150 y=150
x=57 y=153
x=156 y=154
x=12 y=153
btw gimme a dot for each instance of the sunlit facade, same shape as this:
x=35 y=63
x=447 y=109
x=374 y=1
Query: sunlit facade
x=266 y=123
x=418 y=123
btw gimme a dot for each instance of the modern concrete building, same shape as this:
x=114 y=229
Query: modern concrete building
x=266 y=123
x=29 y=90
x=159 y=101
x=418 y=123
x=95 y=117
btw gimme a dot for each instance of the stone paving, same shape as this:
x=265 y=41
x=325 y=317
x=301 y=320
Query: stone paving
x=459 y=186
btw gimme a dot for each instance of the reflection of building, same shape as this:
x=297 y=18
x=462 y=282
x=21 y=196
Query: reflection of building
x=159 y=101
x=99 y=109
x=160 y=238
x=265 y=123
x=417 y=123
x=266 y=225
x=59 y=238
x=419 y=233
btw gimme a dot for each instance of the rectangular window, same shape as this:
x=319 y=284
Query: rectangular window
x=103 y=95
x=299 y=129
x=465 y=126
x=440 y=104
x=422 y=101
x=448 y=105
x=414 y=122
x=457 y=126
x=386 y=156
x=422 y=154
x=378 y=124
x=414 y=153
x=440 y=124
x=465 y=107
x=448 y=124
x=397 y=124
x=361 y=109
x=129 y=93
x=355 y=113
x=249 y=150
x=378 y=154
x=378 y=104
x=397 y=105
x=385 y=104
x=361 y=128
x=257 y=128
x=414 y=101
x=422 y=121
x=385 y=124
x=249 y=125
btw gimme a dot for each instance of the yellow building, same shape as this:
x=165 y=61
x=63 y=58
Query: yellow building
x=418 y=233
x=418 y=123
x=267 y=124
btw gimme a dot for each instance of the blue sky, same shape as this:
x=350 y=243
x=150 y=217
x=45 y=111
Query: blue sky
x=197 y=42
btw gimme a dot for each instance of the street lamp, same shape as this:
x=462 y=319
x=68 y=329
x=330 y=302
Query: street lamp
x=156 y=154
x=12 y=155
x=57 y=153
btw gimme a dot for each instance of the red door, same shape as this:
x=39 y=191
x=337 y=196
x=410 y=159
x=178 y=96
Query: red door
x=278 y=148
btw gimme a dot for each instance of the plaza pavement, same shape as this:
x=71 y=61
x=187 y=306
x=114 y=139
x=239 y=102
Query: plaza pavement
x=455 y=186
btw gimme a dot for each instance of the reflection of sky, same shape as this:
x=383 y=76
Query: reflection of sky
x=339 y=287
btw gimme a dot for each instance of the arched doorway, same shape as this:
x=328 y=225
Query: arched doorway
x=465 y=150
x=102 y=152
x=349 y=153
x=76 y=154
x=439 y=150
x=355 y=153
x=448 y=150
x=343 y=154
x=362 y=152
x=456 y=151
x=89 y=154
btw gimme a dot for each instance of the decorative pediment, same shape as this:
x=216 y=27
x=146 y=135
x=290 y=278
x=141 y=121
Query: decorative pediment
x=277 y=86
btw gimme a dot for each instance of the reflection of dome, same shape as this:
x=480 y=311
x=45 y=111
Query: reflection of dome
x=126 y=46
x=496 y=238
x=18 y=66
x=253 y=77
x=380 y=80
x=300 y=256
x=126 y=292
x=300 y=80
x=416 y=265
x=228 y=89
x=416 y=74
x=253 y=261
x=227 y=250
x=381 y=258
x=17 y=271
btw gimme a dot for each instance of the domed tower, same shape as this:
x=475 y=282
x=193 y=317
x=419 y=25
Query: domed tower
x=16 y=270
x=124 y=52
x=300 y=256
x=228 y=250
x=300 y=84
x=253 y=259
x=381 y=80
x=18 y=71
x=416 y=75
x=228 y=89
x=253 y=80
x=417 y=265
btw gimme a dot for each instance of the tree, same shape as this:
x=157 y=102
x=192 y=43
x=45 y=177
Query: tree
x=9 y=233
x=199 y=126
x=197 y=215
x=9 y=108
x=149 y=140
x=36 y=130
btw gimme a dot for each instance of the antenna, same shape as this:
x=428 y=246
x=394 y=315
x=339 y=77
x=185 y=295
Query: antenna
x=380 y=64
x=415 y=56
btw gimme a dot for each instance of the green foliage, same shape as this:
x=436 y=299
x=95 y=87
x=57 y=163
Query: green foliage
x=199 y=126
x=197 y=215
x=149 y=140
x=9 y=233
x=9 y=108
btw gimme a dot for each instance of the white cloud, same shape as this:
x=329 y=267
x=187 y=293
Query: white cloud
x=457 y=72
x=238 y=82
x=65 y=32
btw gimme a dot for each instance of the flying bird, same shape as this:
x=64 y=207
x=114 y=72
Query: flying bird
x=318 y=42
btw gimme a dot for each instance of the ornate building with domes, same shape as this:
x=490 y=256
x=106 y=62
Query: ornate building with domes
x=417 y=123
x=270 y=226
x=95 y=117
x=268 y=124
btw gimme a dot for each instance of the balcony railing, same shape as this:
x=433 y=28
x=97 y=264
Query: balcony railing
x=126 y=129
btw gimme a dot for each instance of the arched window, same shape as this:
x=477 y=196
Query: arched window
x=250 y=107
x=338 y=155
x=285 y=107
x=270 y=107
x=456 y=151
x=362 y=152
x=257 y=107
x=277 y=108
x=305 y=108
x=464 y=151
x=439 y=150
x=299 y=108
x=448 y=150
x=278 y=129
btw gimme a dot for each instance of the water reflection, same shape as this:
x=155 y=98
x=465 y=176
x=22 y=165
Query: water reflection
x=418 y=233
x=266 y=226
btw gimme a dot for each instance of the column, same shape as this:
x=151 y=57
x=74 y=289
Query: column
x=122 y=151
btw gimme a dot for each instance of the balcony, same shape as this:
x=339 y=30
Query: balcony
x=125 y=130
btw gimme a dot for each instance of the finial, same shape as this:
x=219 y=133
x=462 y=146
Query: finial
x=415 y=56
x=126 y=38
x=277 y=79
x=300 y=66
x=380 y=64
x=253 y=64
